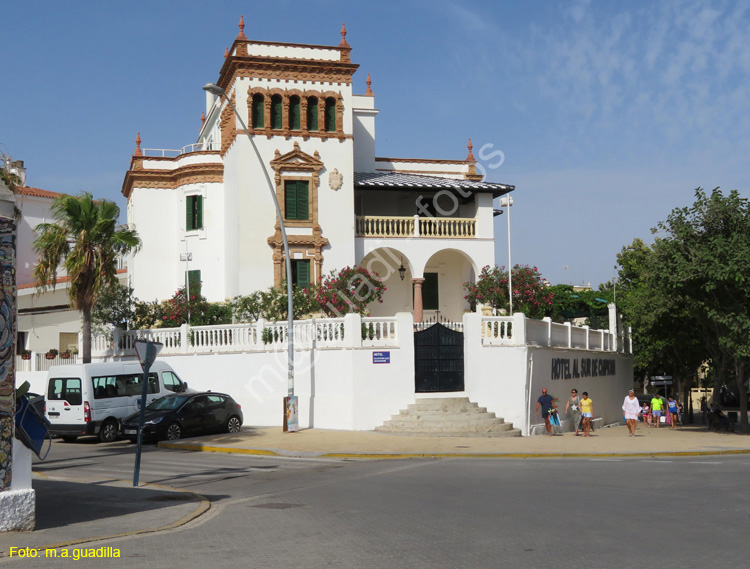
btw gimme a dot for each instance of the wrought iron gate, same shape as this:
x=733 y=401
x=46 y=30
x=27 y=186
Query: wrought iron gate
x=438 y=359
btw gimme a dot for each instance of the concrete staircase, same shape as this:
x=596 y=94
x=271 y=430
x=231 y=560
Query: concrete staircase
x=448 y=417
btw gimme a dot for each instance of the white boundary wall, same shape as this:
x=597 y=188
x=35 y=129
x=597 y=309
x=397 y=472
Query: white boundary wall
x=508 y=379
x=507 y=361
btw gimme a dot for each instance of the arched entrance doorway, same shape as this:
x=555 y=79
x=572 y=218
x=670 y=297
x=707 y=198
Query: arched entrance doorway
x=394 y=270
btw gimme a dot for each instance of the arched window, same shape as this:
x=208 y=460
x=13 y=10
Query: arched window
x=312 y=113
x=258 y=111
x=294 y=112
x=331 y=114
x=276 y=111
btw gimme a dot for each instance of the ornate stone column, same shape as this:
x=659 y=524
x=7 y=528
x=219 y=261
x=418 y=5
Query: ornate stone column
x=418 y=311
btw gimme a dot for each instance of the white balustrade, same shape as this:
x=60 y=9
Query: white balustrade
x=497 y=330
x=385 y=226
x=447 y=227
x=402 y=226
x=379 y=332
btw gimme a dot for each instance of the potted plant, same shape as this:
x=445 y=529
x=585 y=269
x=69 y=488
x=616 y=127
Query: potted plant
x=51 y=354
x=25 y=354
x=65 y=355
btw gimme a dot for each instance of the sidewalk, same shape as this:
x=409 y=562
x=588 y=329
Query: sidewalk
x=271 y=441
x=73 y=512
x=70 y=513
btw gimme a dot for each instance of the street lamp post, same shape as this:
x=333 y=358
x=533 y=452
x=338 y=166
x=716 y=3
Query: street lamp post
x=187 y=257
x=219 y=92
x=507 y=201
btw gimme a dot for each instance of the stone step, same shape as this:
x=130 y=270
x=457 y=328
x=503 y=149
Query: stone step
x=448 y=416
x=437 y=414
x=502 y=428
x=444 y=403
x=508 y=433
x=399 y=420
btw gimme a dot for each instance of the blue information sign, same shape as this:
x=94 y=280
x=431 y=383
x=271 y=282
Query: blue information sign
x=381 y=357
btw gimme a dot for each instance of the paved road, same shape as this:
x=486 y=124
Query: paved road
x=568 y=513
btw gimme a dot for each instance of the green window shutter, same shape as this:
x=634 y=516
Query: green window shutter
x=303 y=209
x=290 y=199
x=276 y=112
x=294 y=112
x=198 y=212
x=193 y=282
x=301 y=273
x=312 y=113
x=189 y=212
x=330 y=115
x=296 y=197
x=258 y=111
x=430 y=294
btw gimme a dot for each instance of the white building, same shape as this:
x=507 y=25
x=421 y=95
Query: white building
x=342 y=205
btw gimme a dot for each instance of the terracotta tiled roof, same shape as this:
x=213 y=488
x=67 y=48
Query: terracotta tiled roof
x=399 y=180
x=37 y=192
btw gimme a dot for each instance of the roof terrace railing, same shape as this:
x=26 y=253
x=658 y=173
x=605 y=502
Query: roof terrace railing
x=172 y=153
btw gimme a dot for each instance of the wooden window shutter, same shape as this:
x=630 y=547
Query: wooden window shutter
x=193 y=281
x=312 y=113
x=258 y=111
x=330 y=115
x=303 y=209
x=303 y=273
x=198 y=212
x=189 y=213
x=290 y=199
x=276 y=112
x=294 y=112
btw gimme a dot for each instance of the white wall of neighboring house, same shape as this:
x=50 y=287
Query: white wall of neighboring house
x=44 y=317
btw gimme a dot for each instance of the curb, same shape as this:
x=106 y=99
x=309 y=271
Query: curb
x=391 y=456
x=203 y=506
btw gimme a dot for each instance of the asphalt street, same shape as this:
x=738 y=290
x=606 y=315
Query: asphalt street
x=270 y=512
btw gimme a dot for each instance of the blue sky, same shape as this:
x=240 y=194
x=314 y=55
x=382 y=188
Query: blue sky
x=608 y=114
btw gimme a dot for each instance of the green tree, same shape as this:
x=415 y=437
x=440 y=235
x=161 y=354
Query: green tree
x=115 y=307
x=568 y=303
x=705 y=256
x=87 y=241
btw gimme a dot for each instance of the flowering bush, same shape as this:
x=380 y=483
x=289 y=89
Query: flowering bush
x=530 y=294
x=202 y=312
x=349 y=290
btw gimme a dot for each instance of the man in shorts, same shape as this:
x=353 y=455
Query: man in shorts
x=657 y=406
x=547 y=403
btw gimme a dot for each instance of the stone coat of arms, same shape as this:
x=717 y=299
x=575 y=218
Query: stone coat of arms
x=335 y=179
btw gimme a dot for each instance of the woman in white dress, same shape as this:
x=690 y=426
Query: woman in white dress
x=630 y=409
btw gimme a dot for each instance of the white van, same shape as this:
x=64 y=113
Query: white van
x=91 y=399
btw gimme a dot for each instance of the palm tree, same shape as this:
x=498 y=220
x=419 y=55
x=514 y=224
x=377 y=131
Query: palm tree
x=88 y=241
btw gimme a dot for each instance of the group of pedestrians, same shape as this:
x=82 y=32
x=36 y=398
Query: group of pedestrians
x=581 y=411
x=652 y=411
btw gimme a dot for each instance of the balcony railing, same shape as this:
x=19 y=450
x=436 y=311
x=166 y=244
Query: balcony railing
x=416 y=226
x=173 y=152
